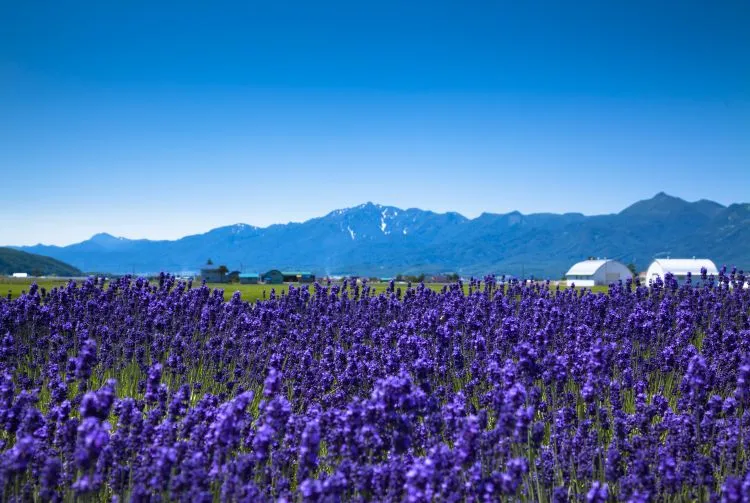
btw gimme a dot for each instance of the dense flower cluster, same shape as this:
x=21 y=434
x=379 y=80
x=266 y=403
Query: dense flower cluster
x=482 y=392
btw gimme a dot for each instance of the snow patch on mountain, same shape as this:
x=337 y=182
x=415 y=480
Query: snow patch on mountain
x=238 y=228
x=383 y=224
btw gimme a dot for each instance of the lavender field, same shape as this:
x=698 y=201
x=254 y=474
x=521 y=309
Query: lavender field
x=163 y=392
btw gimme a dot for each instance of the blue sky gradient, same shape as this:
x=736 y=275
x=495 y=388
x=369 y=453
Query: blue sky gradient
x=158 y=122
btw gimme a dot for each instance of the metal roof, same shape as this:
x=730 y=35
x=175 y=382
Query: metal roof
x=586 y=267
x=249 y=275
x=681 y=266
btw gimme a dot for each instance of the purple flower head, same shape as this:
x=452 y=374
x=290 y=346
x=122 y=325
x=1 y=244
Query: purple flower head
x=309 y=445
x=598 y=493
x=742 y=392
x=50 y=478
x=695 y=380
x=512 y=477
x=17 y=459
x=98 y=404
x=86 y=360
x=560 y=495
x=152 y=383
x=272 y=384
x=262 y=442
x=93 y=436
x=731 y=490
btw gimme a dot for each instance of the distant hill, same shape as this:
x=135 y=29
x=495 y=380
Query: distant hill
x=12 y=261
x=381 y=240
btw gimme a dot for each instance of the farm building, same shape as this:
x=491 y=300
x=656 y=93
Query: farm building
x=597 y=272
x=298 y=277
x=20 y=275
x=249 y=278
x=273 y=277
x=212 y=274
x=680 y=267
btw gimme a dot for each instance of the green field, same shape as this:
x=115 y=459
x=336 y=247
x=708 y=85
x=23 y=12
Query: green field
x=250 y=293
x=14 y=287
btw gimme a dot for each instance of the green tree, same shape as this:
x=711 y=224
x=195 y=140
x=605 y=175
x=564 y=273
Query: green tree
x=633 y=269
x=209 y=262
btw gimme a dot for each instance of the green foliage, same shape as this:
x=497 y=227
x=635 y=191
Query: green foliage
x=18 y=261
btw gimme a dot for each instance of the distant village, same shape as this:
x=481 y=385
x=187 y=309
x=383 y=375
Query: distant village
x=221 y=274
x=593 y=271
x=587 y=273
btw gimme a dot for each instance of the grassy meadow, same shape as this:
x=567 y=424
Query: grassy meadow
x=13 y=287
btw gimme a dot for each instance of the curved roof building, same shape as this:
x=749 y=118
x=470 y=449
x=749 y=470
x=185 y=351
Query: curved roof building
x=680 y=267
x=597 y=272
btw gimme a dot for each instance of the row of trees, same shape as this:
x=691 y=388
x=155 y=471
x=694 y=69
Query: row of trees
x=421 y=277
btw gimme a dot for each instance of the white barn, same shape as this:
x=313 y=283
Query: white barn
x=20 y=275
x=597 y=272
x=680 y=267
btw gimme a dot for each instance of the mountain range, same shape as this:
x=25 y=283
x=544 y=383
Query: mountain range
x=373 y=239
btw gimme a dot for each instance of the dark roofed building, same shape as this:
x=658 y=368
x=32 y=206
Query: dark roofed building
x=298 y=276
x=212 y=274
x=290 y=276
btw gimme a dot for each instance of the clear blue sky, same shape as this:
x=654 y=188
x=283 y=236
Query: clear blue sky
x=158 y=122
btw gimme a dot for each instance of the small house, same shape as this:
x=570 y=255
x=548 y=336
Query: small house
x=249 y=278
x=298 y=277
x=597 y=272
x=680 y=268
x=273 y=277
x=211 y=274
